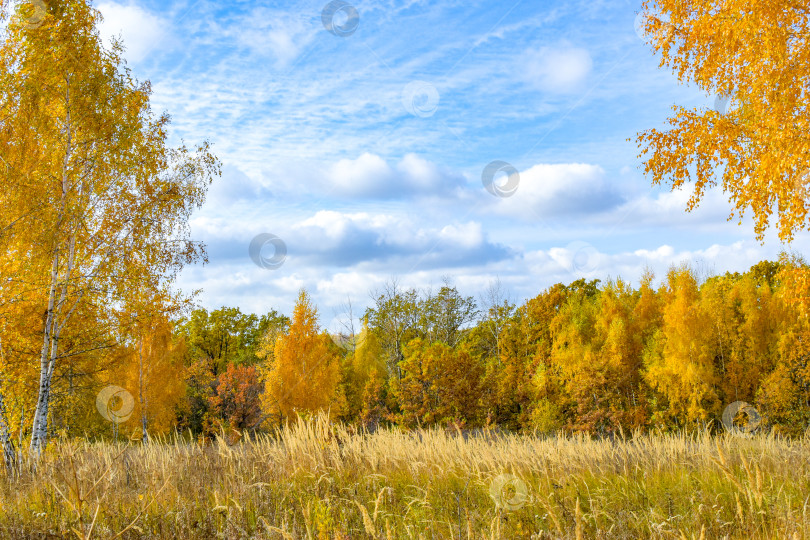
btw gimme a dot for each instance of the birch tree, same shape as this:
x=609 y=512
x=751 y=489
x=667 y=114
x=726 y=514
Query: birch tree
x=757 y=54
x=110 y=200
x=156 y=375
x=9 y=452
x=394 y=316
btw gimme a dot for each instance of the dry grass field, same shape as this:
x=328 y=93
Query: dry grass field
x=321 y=481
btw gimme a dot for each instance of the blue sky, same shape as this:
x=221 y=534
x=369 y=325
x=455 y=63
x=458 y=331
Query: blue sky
x=364 y=153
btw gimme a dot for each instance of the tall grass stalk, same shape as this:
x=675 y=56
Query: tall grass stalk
x=319 y=480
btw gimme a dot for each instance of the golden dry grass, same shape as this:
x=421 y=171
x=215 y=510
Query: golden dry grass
x=318 y=480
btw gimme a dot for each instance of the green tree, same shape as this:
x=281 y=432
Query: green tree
x=394 y=318
x=443 y=316
x=226 y=336
x=439 y=385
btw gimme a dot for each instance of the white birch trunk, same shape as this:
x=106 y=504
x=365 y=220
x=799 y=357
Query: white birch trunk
x=53 y=324
x=9 y=452
x=39 y=434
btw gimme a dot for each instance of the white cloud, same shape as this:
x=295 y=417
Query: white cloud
x=331 y=239
x=142 y=32
x=420 y=174
x=468 y=235
x=547 y=191
x=355 y=238
x=235 y=186
x=370 y=176
x=280 y=34
x=667 y=208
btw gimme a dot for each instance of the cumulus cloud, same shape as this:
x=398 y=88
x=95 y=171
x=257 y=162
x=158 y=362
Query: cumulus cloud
x=548 y=191
x=666 y=208
x=342 y=239
x=467 y=235
x=370 y=176
x=332 y=239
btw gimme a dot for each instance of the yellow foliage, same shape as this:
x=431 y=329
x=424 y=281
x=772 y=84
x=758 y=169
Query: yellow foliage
x=305 y=370
x=439 y=384
x=681 y=363
x=757 y=52
x=156 y=377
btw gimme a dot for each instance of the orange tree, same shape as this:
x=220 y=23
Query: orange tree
x=238 y=397
x=304 y=372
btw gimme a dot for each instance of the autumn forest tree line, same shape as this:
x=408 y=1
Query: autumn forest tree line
x=587 y=356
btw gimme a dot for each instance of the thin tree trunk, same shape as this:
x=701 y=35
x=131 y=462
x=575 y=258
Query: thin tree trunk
x=9 y=452
x=39 y=431
x=53 y=330
x=50 y=339
x=141 y=397
x=22 y=423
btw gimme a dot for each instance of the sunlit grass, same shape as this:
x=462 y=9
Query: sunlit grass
x=317 y=480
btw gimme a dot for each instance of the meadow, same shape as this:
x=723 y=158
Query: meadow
x=320 y=480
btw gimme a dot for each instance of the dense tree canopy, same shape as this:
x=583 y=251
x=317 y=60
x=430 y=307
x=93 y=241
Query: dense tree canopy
x=585 y=356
